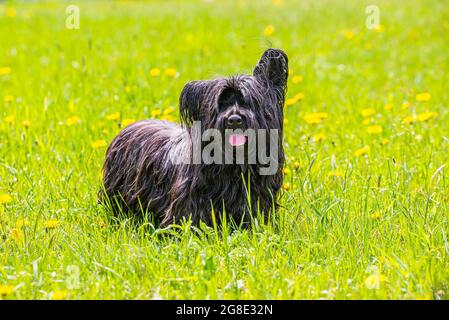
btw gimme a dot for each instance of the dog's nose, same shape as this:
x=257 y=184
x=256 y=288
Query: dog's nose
x=234 y=121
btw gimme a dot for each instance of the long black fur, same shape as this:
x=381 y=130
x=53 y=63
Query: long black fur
x=140 y=178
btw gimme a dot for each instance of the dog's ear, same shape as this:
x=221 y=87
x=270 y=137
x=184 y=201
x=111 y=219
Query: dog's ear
x=191 y=100
x=273 y=68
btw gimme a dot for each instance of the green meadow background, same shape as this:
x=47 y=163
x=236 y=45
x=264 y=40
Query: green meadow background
x=365 y=200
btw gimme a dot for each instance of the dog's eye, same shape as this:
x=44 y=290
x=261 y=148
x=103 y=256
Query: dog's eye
x=229 y=97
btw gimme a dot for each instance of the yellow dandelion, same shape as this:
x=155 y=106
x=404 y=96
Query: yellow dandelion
x=286 y=170
x=8 y=98
x=51 y=224
x=72 y=121
x=409 y=120
x=388 y=106
x=168 y=111
x=278 y=2
x=405 y=105
x=59 y=295
x=423 y=97
x=11 y=12
x=21 y=223
x=319 y=137
x=26 y=123
x=154 y=72
x=368 y=112
x=297 y=165
x=296 y=79
x=105 y=131
x=99 y=144
x=362 y=151
x=315 y=118
x=376 y=215
x=348 y=34
x=5 y=71
x=269 y=30
x=168 y=117
x=16 y=234
x=335 y=173
x=5 y=198
x=379 y=28
x=6 y=290
x=374 y=129
x=155 y=113
x=367 y=121
x=9 y=120
x=170 y=72
x=290 y=71
x=285 y=120
x=286 y=186
x=426 y=116
x=373 y=281
x=127 y=122
x=128 y=89
x=114 y=116
x=384 y=141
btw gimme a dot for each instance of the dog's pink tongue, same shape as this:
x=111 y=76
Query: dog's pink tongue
x=237 y=140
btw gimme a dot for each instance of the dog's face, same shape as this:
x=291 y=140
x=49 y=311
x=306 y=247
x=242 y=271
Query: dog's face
x=240 y=102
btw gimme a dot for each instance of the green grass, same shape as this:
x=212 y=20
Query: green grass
x=369 y=226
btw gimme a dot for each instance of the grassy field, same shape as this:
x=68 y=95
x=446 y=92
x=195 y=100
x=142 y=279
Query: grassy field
x=366 y=190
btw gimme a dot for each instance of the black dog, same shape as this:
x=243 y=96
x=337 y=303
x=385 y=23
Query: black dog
x=140 y=176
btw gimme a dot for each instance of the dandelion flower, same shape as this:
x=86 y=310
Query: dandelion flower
x=409 y=120
x=426 y=116
x=335 y=173
x=286 y=186
x=127 y=122
x=348 y=34
x=59 y=295
x=374 y=129
x=379 y=28
x=5 y=198
x=269 y=30
x=21 y=223
x=114 y=116
x=319 y=137
x=11 y=12
x=296 y=165
x=278 y=2
x=362 y=151
x=26 y=123
x=51 y=224
x=296 y=79
x=99 y=144
x=315 y=118
x=154 y=72
x=6 y=290
x=406 y=105
x=367 y=121
x=155 y=113
x=8 y=98
x=388 y=106
x=9 y=120
x=376 y=215
x=128 y=89
x=72 y=121
x=168 y=111
x=5 y=71
x=170 y=72
x=286 y=170
x=16 y=234
x=423 y=97
x=384 y=142
x=368 y=112
x=373 y=281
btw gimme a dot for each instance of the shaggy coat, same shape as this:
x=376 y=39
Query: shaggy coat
x=140 y=178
